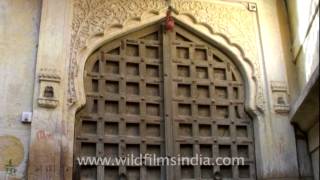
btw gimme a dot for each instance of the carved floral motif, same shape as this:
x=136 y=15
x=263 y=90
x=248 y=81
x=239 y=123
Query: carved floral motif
x=235 y=22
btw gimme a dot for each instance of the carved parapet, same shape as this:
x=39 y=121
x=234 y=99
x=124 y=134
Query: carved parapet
x=49 y=80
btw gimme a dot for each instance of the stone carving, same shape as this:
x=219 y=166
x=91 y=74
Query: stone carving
x=48 y=91
x=233 y=21
x=280 y=97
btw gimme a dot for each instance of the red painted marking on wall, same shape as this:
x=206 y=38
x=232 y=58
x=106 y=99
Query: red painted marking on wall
x=43 y=135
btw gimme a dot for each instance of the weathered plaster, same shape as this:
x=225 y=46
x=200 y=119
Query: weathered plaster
x=19 y=27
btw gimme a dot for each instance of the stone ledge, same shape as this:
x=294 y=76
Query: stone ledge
x=305 y=110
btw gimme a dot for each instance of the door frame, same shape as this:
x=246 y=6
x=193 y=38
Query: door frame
x=235 y=52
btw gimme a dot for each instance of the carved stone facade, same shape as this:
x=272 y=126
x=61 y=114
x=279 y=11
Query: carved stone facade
x=252 y=33
x=236 y=23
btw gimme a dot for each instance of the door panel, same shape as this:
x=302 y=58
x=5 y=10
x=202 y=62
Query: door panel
x=124 y=110
x=163 y=93
x=208 y=109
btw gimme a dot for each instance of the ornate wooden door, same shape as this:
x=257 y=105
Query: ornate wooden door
x=163 y=93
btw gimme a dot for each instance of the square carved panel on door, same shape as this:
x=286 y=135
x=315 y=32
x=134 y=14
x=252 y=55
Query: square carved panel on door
x=132 y=69
x=88 y=172
x=88 y=149
x=242 y=131
x=89 y=127
x=152 y=90
x=133 y=129
x=203 y=91
x=153 y=109
x=154 y=150
x=200 y=54
x=223 y=130
x=111 y=150
x=183 y=71
x=186 y=150
x=133 y=173
x=111 y=128
x=185 y=130
x=132 y=88
x=112 y=87
x=111 y=173
x=244 y=171
x=112 y=107
x=243 y=151
x=204 y=110
x=152 y=52
x=206 y=150
x=153 y=173
x=225 y=151
x=220 y=74
x=187 y=172
x=112 y=67
x=226 y=171
x=202 y=72
x=132 y=50
x=222 y=111
x=182 y=52
x=206 y=172
x=205 y=130
x=133 y=149
x=152 y=70
x=184 y=109
x=153 y=130
x=221 y=92
x=133 y=108
x=184 y=90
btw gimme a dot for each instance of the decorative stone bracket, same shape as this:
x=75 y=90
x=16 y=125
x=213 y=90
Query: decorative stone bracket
x=48 y=88
x=280 y=97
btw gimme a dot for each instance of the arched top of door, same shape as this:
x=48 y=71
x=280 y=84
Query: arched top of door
x=185 y=21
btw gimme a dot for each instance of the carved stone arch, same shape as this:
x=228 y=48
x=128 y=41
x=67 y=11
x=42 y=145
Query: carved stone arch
x=187 y=21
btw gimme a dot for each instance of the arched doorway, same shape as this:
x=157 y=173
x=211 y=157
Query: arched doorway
x=163 y=93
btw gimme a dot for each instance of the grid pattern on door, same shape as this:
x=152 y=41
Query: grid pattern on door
x=123 y=113
x=208 y=109
x=127 y=111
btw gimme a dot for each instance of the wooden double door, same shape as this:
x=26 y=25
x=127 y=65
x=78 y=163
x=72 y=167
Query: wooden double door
x=165 y=93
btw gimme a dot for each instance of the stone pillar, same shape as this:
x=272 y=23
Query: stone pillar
x=277 y=147
x=45 y=160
